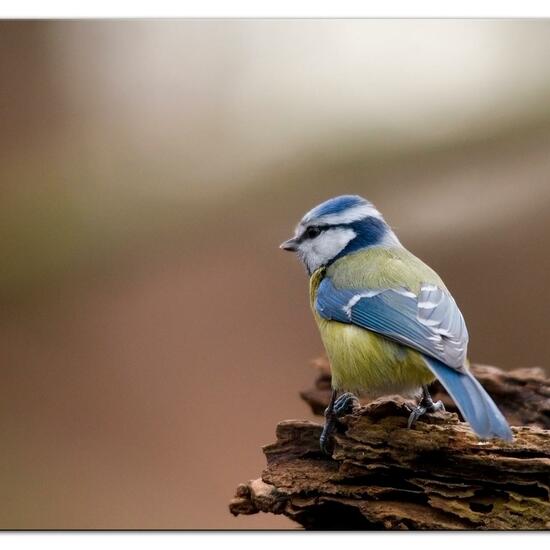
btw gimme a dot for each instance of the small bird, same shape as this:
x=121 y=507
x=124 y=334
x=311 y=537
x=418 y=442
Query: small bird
x=388 y=323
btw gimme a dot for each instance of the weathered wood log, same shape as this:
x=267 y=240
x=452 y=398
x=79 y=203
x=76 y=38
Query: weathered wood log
x=382 y=475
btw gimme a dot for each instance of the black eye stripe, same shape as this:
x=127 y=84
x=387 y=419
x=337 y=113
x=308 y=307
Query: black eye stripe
x=313 y=231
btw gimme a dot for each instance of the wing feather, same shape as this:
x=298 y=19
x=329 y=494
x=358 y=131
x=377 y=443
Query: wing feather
x=429 y=321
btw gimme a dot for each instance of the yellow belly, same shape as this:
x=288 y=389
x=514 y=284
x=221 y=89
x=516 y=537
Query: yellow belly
x=365 y=362
x=362 y=361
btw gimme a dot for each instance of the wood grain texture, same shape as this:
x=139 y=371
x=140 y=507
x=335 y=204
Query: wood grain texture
x=437 y=475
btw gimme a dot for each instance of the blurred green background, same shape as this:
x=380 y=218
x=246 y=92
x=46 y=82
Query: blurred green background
x=151 y=333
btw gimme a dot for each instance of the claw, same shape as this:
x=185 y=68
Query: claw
x=345 y=404
x=437 y=406
x=426 y=405
x=416 y=413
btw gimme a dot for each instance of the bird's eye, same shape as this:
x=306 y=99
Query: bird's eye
x=312 y=232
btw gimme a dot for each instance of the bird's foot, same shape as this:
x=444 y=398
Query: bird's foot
x=344 y=404
x=426 y=405
x=337 y=409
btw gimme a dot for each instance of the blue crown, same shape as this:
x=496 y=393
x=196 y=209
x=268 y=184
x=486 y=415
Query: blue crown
x=336 y=205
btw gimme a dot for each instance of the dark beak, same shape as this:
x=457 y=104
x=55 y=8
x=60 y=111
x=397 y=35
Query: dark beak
x=291 y=245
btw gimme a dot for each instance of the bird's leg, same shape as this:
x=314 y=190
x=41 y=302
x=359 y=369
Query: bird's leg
x=336 y=409
x=426 y=405
x=330 y=422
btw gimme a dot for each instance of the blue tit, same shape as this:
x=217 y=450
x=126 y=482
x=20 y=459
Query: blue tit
x=388 y=323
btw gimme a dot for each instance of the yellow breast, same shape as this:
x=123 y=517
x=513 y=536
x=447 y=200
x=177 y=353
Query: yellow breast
x=363 y=361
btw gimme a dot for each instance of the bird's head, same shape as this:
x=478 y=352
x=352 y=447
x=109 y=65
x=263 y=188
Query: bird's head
x=338 y=227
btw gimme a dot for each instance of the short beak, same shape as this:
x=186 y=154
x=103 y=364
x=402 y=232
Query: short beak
x=291 y=245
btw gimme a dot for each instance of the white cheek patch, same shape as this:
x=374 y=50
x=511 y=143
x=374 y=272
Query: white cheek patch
x=321 y=250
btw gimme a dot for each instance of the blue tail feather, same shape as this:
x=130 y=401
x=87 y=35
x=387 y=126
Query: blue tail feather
x=478 y=409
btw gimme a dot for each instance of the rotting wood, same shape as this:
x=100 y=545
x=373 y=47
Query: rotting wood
x=435 y=476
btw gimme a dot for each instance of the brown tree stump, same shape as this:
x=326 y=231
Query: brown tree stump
x=382 y=475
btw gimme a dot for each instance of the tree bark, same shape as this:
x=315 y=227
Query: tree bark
x=437 y=475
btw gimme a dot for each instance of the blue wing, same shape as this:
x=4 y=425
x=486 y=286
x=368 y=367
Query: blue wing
x=429 y=322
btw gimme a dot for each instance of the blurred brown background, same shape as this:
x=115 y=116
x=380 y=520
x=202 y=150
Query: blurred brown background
x=151 y=333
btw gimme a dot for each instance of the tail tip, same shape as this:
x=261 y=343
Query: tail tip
x=504 y=433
